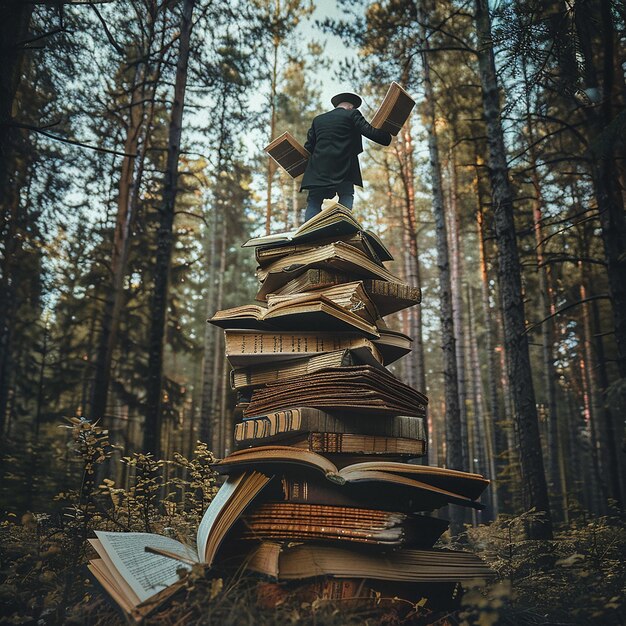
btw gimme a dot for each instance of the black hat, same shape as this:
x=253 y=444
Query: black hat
x=352 y=98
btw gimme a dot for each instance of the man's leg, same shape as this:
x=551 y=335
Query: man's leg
x=346 y=194
x=314 y=202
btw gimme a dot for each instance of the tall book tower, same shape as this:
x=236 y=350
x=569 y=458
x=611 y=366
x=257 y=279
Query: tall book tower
x=346 y=512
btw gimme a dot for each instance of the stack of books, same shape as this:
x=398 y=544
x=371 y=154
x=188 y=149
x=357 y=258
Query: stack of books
x=320 y=413
x=320 y=499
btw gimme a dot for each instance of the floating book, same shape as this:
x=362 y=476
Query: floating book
x=284 y=521
x=250 y=347
x=307 y=419
x=311 y=311
x=453 y=483
x=394 y=110
x=333 y=220
x=134 y=567
x=263 y=374
x=289 y=154
x=359 y=389
x=313 y=560
x=336 y=256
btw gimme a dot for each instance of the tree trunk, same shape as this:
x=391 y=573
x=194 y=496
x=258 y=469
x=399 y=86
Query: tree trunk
x=456 y=283
x=271 y=166
x=516 y=340
x=165 y=236
x=126 y=204
x=495 y=417
x=454 y=448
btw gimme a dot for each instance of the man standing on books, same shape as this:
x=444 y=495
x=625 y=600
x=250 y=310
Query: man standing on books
x=334 y=141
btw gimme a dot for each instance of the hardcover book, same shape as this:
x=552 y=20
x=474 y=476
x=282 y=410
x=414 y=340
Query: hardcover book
x=350 y=296
x=356 y=389
x=388 y=297
x=336 y=256
x=135 y=567
x=311 y=311
x=460 y=485
x=286 y=521
x=263 y=374
x=394 y=110
x=289 y=154
x=249 y=347
x=307 y=419
x=314 y=560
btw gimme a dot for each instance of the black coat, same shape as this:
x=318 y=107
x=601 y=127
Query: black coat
x=334 y=141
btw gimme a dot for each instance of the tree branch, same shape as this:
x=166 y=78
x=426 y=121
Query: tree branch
x=600 y=296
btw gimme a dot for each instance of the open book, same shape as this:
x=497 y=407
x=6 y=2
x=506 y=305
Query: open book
x=394 y=110
x=289 y=154
x=313 y=311
x=134 y=567
x=460 y=487
x=333 y=220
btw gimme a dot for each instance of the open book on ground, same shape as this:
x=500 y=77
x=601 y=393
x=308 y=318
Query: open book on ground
x=132 y=575
x=290 y=154
x=314 y=560
x=394 y=110
x=460 y=486
x=333 y=220
x=313 y=311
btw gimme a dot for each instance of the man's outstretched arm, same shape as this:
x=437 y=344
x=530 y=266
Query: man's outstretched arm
x=367 y=130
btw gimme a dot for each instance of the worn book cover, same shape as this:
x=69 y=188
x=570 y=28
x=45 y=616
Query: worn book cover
x=394 y=110
x=291 y=155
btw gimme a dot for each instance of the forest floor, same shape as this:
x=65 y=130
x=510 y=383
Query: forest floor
x=576 y=578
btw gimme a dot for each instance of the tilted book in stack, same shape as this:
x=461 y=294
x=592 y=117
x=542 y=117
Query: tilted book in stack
x=320 y=485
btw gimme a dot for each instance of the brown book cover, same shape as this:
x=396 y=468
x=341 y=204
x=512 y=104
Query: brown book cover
x=289 y=154
x=351 y=389
x=300 y=420
x=394 y=110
